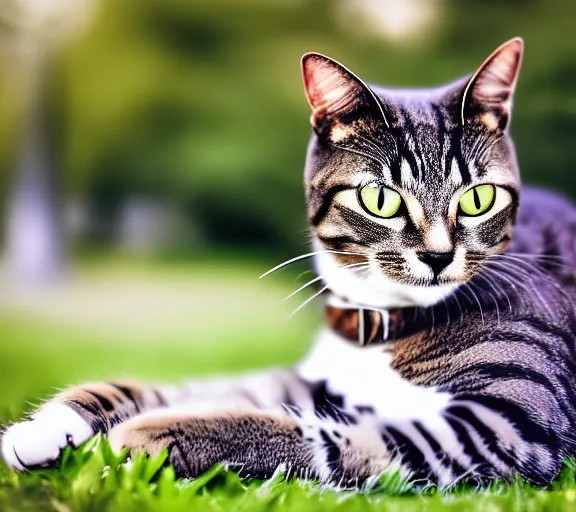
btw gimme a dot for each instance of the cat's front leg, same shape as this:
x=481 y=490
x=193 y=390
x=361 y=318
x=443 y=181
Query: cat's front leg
x=72 y=417
x=254 y=442
x=75 y=415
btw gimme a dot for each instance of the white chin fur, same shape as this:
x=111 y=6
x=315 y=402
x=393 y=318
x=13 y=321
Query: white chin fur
x=375 y=289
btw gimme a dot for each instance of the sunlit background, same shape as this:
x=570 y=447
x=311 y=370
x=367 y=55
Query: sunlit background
x=151 y=155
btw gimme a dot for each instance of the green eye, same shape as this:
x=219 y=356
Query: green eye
x=477 y=200
x=380 y=201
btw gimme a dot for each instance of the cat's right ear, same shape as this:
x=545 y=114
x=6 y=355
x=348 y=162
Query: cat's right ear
x=335 y=94
x=489 y=93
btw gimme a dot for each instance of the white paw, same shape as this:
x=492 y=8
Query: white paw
x=39 y=441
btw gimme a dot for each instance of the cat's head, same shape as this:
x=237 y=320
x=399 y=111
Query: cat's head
x=421 y=185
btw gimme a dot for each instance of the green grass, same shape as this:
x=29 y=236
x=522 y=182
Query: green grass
x=168 y=323
x=94 y=478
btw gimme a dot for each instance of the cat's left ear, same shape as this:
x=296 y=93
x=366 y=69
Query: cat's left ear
x=336 y=95
x=488 y=94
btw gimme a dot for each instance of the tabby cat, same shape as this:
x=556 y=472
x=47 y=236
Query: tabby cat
x=449 y=353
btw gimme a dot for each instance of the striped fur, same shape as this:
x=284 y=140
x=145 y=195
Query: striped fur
x=470 y=374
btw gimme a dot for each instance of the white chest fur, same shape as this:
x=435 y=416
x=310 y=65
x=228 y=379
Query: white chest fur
x=363 y=375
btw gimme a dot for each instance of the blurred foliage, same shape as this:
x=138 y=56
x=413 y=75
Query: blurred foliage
x=201 y=103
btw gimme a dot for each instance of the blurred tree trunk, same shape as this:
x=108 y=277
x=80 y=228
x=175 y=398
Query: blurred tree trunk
x=35 y=235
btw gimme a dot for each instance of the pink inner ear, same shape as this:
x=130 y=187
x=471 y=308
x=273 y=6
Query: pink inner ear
x=330 y=90
x=494 y=83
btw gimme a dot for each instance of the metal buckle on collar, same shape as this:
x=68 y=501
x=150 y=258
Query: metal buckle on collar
x=337 y=302
x=384 y=314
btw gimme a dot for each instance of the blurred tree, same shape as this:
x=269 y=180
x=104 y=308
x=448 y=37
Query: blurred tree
x=34 y=236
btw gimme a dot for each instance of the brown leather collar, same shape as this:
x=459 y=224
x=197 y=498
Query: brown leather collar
x=364 y=326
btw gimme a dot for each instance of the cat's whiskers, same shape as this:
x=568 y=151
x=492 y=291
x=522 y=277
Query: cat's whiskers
x=319 y=278
x=500 y=275
x=364 y=271
x=534 y=261
x=513 y=273
x=528 y=291
x=307 y=255
x=527 y=267
x=448 y=319
x=303 y=287
x=309 y=271
x=490 y=282
x=531 y=264
x=433 y=317
x=468 y=287
x=307 y=301
x=510 y=279
x=494 y=296
x=531 y=255
x=457 y=299
x=323 y=289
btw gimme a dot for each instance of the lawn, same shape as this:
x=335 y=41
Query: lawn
x=165 y=323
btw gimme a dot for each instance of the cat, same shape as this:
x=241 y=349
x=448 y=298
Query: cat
x=449 y=352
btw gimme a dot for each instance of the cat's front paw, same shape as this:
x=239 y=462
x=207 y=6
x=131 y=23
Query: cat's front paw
x=39 y=441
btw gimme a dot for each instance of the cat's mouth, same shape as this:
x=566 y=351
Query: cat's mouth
x=432 y=281
x=426 y=279
x=384 y=284
x=430 y=270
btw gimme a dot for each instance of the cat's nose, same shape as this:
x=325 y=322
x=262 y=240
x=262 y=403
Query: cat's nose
x=437 y=261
